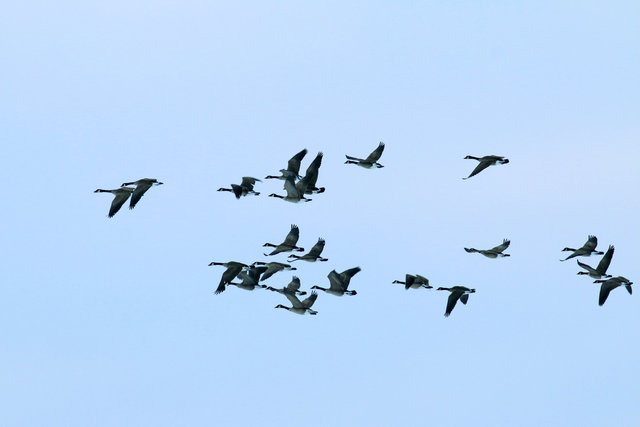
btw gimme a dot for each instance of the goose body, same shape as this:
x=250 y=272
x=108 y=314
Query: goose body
x=295 y=192
x=142 y=185
x=587 y=249
x=610 y=284
x=493 y=252
x=121 y=194
x=289 y=243
x=233 y=269
x=311 y=176
x=457 y=293
x=293 y=167
x=370 y=161
x=485 y=162
x=414 y=282
x=243 y=189
x=300 y=307
x=292 y=288
x=313 y=255
x=338 y=283
x=601 y=270
x=272 y=268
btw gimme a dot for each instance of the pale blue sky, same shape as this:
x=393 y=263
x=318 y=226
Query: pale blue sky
x=114 y=322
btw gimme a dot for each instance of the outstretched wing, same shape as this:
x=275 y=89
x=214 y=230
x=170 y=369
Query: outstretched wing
x=248 y=182
x=118 y=201
x=481 y=166
x=138 y=193
x=588 y=267
x=336 y=281
x=604 y=292
x=591 y=244
x=603 y=265
x=451 y=302
x=312 y=170
x=346 y=275
x=317 y=249
x=294 y=285
x=294 y=163
x=308 y=302
x=505 y=244
x=294 y=300
x=408 y=280
x=293 y=236
x=375 y=154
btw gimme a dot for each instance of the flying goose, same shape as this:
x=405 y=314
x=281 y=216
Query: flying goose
x=142 y=185
x=311 y=176
x=233 y=269
x=340 y=282
x=457 y=293
x=414 y=282
x=610 y=284
x=121 y=195
x=293 y=167
x=493 y=252
x=300 y=307
x=370 y=161
x=587 y=249
x=485 y=162
x=601 y=270
x=246 y=187
x=289 y=243
x=292 y=288
x=313 y=255
x=272 y=268
x=295 y=191
x=250 y=278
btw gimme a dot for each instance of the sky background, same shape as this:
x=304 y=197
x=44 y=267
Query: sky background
x=113 y=321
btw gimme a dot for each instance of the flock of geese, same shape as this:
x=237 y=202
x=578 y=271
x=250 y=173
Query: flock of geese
x=297 y=187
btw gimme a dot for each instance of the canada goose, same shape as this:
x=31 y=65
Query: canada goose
x=121 y=196
x=339 y=282
x=292 y=288
x=295 y=192
x=457 y=293
x=485 y=162
x=493 y=252
x=414 y=282
x=300 y=307
x=246 y=187
x=601 y=269
x=142 y=185
x=313 y=255
x=233 y=269
x=293 y=167
x=370 y=161
x=311 y=176
x=587 y=249
x=272 y=268
x=610 y=284
x=289 y=243
x=250 y=278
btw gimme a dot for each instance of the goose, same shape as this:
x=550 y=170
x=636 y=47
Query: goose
x=493 y=252
x=313 y=255
x=610 y=284
x=311 y=176
x=601 y=270
x=457 y=293
x=485 y=162
x=289 y=243
x=295 y=192
x=340 y=282
x=414 y=282
x=233 y=269
x=587 y=249
x=300 y=307
x=370 y=161
x=250 y=278
x=293 y=167
x=292 y=288
x=121 y=195
x=272 y=268
x=246 y=187
x=142 y=185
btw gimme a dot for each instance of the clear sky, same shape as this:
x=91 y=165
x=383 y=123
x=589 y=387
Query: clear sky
x=113 y=321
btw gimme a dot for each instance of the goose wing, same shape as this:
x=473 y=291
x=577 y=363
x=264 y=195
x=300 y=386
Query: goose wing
x=422 y=280
x=451 y=302
x=505 y=244
x=605 y=289
x=293 y=236
x=294 y=163
x=294 y=300
x=317 y=249
x=335 y=281
x=481 y=166
x=464 y=298
x=409 y=279
x=308 y=302
x=375 y=154
x=248 y=182
x=591 y=243
x=603 y=265
x=293 y=285
x=312 y=170
x=119 y=200
x=588 y=267
x=141 y=188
